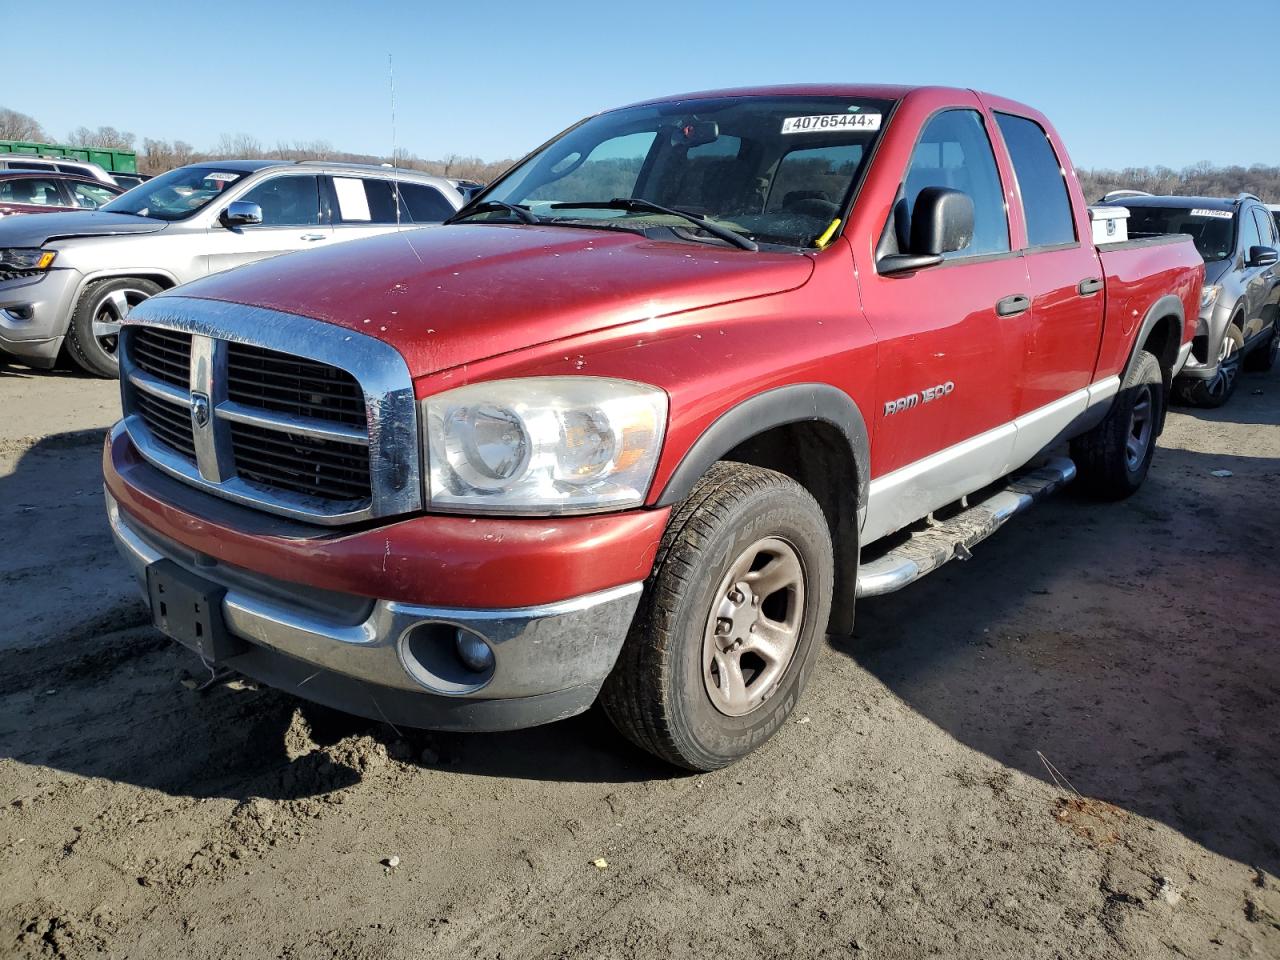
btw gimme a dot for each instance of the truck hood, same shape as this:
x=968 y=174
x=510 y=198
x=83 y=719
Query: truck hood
x=458 y=294
x=37 y=231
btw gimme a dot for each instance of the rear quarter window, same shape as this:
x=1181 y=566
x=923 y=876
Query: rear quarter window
x=1045 y=202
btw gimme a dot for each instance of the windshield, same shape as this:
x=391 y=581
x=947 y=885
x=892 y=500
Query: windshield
x=176 y=194
x=778 y=170
x=1212 y=230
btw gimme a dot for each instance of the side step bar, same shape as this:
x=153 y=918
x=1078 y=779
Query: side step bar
x=948 y=539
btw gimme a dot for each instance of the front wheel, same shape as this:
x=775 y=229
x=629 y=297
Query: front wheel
x=730 y=622
x=1218 y=389
x=94 y=336
x=1113 y=458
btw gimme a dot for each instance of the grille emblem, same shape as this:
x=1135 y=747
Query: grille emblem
x=199 y=410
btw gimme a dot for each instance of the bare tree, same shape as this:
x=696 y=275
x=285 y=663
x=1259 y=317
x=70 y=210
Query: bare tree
x=108 y=138
x=19 y=126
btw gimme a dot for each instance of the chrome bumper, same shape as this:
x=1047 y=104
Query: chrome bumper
x=404 y=648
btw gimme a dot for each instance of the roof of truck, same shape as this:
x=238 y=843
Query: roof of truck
x=873 y=90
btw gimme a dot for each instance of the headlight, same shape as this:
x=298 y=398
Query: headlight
x=543 y=445
x=1209 y=296
x=26 y=258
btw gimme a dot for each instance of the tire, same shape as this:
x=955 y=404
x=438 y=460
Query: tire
x=1263 y=357
x=1217 y=390
x=1113 y=458
x=675 y=690
x=100 y=309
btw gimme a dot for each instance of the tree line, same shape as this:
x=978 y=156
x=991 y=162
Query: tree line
x=157 y=156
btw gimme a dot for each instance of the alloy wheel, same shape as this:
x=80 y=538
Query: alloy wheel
x=1141 y=426
x=753 y=627
x=112 y=309
x=1228 y=368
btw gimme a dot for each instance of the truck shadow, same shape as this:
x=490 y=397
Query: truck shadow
x=1133 y=645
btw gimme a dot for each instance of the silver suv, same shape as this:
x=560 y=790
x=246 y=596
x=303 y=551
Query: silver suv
x=70 y=278
x=1240 y=244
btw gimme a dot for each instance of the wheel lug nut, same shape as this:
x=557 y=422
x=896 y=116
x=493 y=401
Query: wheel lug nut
x=723 y=626
x=736 y=596
x=753 y=628
x=755 y=601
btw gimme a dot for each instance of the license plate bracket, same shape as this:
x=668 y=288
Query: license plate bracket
x=188 y=608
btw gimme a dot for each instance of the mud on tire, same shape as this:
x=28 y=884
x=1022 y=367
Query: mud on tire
x=675 y=690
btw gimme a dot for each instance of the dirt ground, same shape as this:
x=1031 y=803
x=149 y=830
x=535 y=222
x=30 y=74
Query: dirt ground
x=923 y=802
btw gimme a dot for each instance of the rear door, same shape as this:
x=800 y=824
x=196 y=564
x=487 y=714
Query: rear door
x=1063 y=330
x=363 y=207
x=292 y=219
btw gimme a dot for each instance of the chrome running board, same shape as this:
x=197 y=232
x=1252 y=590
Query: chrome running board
x=942 y=540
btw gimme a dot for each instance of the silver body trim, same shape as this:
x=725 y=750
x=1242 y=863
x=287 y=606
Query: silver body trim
x=917 y=489
x=537 y=650
x=394 y=460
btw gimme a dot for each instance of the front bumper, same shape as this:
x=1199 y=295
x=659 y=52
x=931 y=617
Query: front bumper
x=396 y=661
x=1202 y=360
x=34 y=313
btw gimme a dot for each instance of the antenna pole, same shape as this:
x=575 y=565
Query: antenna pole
x=395 y=160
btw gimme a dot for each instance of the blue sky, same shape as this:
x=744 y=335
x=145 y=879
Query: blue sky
x=496 y=79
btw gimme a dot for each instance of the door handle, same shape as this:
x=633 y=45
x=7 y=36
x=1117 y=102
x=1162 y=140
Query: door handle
x=1013 y=305
x=1089 y=286
x=314 y=236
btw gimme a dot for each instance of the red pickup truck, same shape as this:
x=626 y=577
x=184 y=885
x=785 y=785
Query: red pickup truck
x=647 y=418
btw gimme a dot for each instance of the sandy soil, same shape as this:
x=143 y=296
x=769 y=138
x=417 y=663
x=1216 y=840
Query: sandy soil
x=908 y=811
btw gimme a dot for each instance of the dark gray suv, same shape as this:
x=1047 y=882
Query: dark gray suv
x=1239 y=242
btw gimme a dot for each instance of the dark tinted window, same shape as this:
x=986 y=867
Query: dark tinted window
x=1045 y=203
x=1250 y=235
x=1212 y=230
x=365 y=201
x=955 y=152
x=287 y=201
x=1266 y=228
x=424 y=204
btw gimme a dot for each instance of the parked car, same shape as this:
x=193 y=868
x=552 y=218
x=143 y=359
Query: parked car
x=646 y=418
x=69 y=279
x=468 y=188
x=80 y=168
x=1239 y=241
x=1275 y=213
x=22 y=192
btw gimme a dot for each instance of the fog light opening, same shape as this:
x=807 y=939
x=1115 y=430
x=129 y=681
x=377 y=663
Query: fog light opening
x=474 y=652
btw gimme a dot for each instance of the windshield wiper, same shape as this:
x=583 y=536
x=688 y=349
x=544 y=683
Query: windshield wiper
x=635 y=205
x=488 y=206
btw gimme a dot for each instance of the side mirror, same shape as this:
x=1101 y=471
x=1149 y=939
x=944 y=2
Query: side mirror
x=240 y=213
x=1262 y=256
x=941 y=222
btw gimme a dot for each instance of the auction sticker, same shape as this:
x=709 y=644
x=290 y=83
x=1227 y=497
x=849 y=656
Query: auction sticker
x=1217 y=214
x=219 y=176
x=831 y=121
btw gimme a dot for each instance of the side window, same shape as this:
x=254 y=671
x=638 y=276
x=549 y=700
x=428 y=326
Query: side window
x=1249 y=234
x=425 y=204
x=954 y=151
x=1266 y=228
x=1045 y=202
x=38 y=191
x=365 y=201
x=90 y=195
x=287 y=201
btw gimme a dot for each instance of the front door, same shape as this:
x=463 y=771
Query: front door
x=291 y=220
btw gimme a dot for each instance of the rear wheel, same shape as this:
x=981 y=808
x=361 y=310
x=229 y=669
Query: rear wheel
x=1113 y=458
x=94 y=335
x=730 y=622
x=1218 y=389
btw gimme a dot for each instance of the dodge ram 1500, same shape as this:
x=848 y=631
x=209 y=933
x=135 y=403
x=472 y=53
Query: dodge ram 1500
x=645 y=420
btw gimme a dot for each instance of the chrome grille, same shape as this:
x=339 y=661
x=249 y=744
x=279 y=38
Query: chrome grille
x=294 y=385
x=327 y=435
x=170 y=423
x=328 y=469
x=165 y=354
